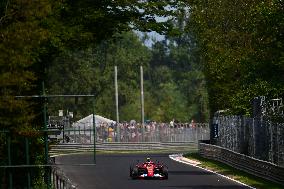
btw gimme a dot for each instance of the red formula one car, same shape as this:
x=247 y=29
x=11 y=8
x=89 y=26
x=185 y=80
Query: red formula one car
x=149 y=169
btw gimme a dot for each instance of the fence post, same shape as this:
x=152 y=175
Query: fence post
x=57 y=186
x=94 y=130
x=28 y=161
x=47 y=172
x=10 y=162
x=80 y=141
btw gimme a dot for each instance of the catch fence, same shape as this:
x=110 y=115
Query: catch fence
x=125 y=132
x=261 y=137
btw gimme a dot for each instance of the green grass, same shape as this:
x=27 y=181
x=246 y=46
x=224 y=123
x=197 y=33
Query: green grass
x=231 y=172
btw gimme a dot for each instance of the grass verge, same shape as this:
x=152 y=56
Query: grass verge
x=233 y=173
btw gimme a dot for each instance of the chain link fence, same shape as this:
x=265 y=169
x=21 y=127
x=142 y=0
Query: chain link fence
x=127 y=132
x=261 y=137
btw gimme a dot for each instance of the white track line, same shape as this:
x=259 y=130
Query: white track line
x=181 y=159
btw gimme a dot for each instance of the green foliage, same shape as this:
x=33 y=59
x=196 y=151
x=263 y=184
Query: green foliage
x=20 y=37
x=173 y=85
x=241 y=46
x=91 y=71
x=176 y=62
x=171 y=104
x=177 y=83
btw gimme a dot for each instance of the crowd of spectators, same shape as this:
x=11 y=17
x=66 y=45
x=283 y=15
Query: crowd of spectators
x=151 y=132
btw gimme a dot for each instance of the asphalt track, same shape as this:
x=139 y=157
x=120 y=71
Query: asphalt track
x=112 y=172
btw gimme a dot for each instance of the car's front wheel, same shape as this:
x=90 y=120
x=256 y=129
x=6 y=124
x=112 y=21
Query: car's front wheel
x=133 y=172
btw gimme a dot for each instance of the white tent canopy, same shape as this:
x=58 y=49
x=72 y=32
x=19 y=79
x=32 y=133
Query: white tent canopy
x=87 y=122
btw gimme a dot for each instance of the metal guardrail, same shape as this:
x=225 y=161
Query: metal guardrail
x=58 y=178
x=260 y=168
x=116 y=146
x=60 y=181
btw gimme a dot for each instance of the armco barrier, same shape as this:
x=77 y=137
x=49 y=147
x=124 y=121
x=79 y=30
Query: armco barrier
x=59 y=180
x=245 y=163
x=113 y=146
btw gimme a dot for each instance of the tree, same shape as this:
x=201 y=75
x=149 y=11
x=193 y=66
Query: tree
x=171 y=104
x=176 y=60
x=91 y=71
x=240 y=46
x=21 y=36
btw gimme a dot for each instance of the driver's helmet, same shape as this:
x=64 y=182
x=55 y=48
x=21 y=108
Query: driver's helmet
x=148 y=160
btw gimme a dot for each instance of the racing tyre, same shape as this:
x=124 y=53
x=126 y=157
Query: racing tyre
x=134 y=173
x=165 y=173
x=130 y=171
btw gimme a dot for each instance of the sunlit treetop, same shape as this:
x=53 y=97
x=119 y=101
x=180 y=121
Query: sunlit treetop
x=104 y=18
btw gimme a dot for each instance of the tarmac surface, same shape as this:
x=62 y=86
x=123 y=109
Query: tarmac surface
x=112 y=172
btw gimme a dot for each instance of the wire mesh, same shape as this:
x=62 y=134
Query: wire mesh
x=261 y=137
